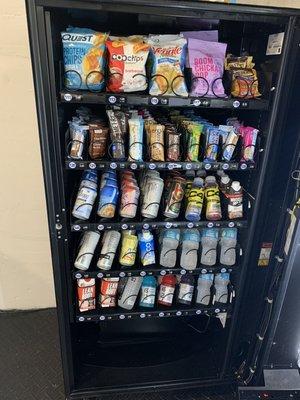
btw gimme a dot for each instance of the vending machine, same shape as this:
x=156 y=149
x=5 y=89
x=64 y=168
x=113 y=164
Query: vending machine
x=170 y=138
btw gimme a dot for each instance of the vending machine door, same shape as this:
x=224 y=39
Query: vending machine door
x=281 y=377
x=275 y=356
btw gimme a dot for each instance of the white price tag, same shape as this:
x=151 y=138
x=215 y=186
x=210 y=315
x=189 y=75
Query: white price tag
x=275 y=42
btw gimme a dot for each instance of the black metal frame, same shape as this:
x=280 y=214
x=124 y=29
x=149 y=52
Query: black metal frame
x=50 y=145
x=191 y=8
x=263 y=190
x=288 y=199
x=56 y=208
x=131 y=99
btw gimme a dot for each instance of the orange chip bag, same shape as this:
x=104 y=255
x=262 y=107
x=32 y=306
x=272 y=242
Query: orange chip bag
x=127 y=58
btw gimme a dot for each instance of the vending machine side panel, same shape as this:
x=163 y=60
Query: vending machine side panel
x=56 y=208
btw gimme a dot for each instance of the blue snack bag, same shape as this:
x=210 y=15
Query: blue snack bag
x=84 y=58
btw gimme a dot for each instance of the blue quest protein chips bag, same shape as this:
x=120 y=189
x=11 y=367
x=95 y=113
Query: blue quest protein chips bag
x=84 y=58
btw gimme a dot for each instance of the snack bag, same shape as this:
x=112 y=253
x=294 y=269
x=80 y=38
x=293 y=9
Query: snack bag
x=244 y=82
x=243 y=62
x=84 y=58
x=206 y=59
x=127 y=58
x=209 y=36
x=168 y=53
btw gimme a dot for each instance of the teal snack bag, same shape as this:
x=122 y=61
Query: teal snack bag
x=84 y=58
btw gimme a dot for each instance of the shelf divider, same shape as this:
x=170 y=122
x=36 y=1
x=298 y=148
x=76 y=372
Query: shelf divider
x=143 y=99
x=108 y=314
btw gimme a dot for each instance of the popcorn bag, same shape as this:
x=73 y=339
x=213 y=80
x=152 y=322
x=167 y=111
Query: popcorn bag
x=206 y=59
x=209 y=36
x=168 y=53
x=127 y=58
x=84 y=58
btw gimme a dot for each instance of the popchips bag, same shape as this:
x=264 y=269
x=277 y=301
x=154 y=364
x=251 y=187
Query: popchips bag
x=84 y=58
x=206 y=59
x=168 y=54
x=127 y=58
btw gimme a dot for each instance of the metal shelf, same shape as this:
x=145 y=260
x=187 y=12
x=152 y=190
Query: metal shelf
x=119 y=165
x=133 y=99
x=79 y=226
x=179 y=311
x=150 y=271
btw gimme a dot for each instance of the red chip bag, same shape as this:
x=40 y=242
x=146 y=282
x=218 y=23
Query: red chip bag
x=127 y=57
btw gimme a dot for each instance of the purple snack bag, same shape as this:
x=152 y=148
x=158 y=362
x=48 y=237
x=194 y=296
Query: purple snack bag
x=206 y=59
x=209 y=36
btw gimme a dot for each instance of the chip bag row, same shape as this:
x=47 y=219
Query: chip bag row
x=93 y=60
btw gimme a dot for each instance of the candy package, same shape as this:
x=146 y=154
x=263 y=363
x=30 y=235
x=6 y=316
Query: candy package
x=249 y=137
x=168 y=53
x=157 y=145
x=206 y=59
x=78 y=133
x=98 y=139
x=127 y=58
x=136 y=129
x=84 y=58
x=212 y=137
x=117 y=148
x=229 y=141
x=194 y=133
x=172 y=139
x=147 y=124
